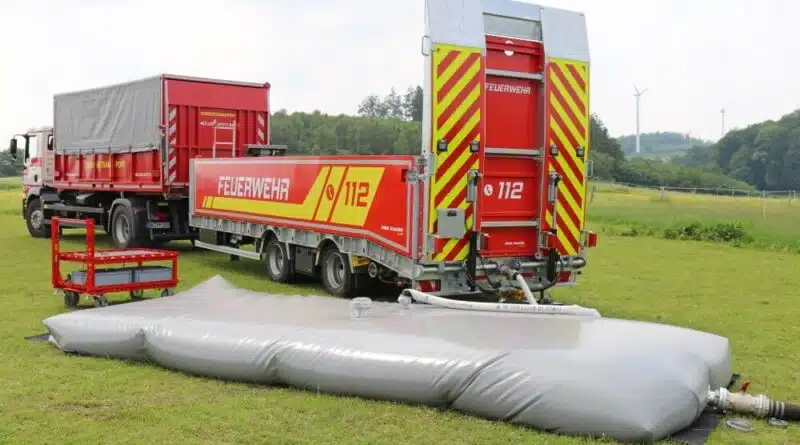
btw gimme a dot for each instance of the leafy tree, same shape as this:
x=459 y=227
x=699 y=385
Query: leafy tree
x=601 y=142
x=9 y=167
x=766 y=155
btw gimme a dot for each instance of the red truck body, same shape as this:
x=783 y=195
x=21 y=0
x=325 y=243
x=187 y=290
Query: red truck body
x=150 y=129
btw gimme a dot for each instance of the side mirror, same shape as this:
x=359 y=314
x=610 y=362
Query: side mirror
x=12 y=148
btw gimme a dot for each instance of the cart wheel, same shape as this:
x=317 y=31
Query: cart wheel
x=100 y=301
x=71 y=299
x=137 y=294
x=167 y=293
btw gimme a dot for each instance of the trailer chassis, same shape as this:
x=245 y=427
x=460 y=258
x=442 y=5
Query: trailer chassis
x=304 y=248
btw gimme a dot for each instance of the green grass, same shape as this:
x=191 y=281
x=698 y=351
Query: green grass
x=10 y=183
x=46 y=396
x=772 y=224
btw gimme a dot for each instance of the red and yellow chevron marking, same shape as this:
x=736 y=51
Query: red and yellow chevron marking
x=457 y=103
x=326 y=201
x=568 y=99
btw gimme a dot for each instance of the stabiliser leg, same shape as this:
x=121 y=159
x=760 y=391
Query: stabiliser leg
x=472 y=260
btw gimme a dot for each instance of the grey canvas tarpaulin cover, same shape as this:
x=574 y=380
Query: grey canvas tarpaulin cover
x=625 y=379
x=118 y=118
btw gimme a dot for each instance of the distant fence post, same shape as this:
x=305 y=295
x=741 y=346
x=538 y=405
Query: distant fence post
x=763 y=204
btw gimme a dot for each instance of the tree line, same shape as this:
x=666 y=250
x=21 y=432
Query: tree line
x=608 y=162
x=766 y=154
x=659 y=144
x=9 y=167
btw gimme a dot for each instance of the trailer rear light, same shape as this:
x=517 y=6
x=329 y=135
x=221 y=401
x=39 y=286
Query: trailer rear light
x=159 y=216
x=428 y=286
x=474 y=146
x=591 y=239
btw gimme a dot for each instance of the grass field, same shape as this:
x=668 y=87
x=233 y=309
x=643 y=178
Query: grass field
x=748 y=295
x=772 y=224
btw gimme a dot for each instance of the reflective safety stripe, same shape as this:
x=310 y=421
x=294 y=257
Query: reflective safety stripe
x=568 y=99
x=456 y=118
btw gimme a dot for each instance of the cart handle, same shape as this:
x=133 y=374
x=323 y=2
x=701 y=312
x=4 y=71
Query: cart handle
x=55 y=224
x=70 y=222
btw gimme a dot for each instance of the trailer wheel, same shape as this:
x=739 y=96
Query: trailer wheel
x=34 y=219
x=337 y=276
x=278 y=264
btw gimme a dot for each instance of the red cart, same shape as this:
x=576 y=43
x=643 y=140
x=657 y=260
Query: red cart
x=97 y=282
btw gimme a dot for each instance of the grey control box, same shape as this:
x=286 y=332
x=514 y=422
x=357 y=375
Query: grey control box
x=451 y=223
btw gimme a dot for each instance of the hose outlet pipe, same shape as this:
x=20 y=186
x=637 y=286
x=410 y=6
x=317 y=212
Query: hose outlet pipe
x=759 y=406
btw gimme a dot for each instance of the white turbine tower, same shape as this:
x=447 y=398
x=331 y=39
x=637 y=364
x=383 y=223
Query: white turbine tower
x=722 y=131
x=638 y=94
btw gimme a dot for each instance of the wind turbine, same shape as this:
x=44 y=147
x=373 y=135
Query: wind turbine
x=638 y=94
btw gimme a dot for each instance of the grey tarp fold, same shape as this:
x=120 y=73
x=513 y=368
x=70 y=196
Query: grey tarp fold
x=118 y=118
x=625 y=379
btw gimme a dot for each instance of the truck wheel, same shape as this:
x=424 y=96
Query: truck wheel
x=123 y=228
x=278 y=263
x=337 y=277
x=34 y=219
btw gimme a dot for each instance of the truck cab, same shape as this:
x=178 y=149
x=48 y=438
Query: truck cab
x=34 y=146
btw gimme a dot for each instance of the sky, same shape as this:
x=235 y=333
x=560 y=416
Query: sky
x=694 y=57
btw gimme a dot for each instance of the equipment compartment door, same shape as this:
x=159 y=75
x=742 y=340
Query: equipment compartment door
x=510 y=190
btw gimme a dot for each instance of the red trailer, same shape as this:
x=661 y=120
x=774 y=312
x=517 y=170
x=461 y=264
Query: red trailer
x=494 y=202
x=120 y=154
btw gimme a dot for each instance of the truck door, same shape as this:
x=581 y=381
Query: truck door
x=48 y=158
x=513 y=176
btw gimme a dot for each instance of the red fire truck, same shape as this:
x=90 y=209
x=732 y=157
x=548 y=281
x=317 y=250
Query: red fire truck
x=120 y=154
x=495 y=200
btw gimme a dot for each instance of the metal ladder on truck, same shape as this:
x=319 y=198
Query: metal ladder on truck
x=218 y=127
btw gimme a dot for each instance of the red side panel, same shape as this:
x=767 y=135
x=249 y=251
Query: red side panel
x=211 y=119
x=122 y=172
x=360 y=196
x=511 y=189
x=196 y=115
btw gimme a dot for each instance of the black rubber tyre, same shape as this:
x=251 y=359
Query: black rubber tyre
x=137 y=294
x=167 y=293
x=100 y=301
x=71 y=299
x=337 y=276
x=278 y=265
x=125 y=230
x=34 y=219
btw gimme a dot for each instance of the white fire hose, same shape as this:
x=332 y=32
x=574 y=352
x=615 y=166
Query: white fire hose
x=408 y=295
